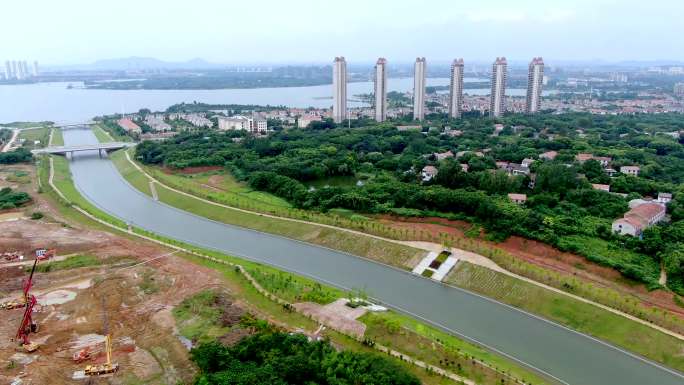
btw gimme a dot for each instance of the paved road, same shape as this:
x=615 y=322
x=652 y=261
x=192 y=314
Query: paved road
x=570 y=357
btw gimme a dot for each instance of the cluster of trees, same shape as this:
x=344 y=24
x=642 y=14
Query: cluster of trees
x=282 y=359
x=562 y=207
x=12 y=199
x=5 y=135
x=19 y=155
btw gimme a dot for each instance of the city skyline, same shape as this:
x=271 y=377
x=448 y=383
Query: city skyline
x=581 y=30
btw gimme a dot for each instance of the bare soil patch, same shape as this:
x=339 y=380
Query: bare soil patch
x=191 y=170
x=336 y=315
x=137 y=302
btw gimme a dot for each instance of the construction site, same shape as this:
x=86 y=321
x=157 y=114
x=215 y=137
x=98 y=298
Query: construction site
x=81 y=325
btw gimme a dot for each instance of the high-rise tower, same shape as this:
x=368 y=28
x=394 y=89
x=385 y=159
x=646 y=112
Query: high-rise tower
x=8 y=70
x=15 y=70
x=456 y=89
x=535 y=79
x=25 y=69
x=35 y=68
x=339 y=89
x=497 y=104
x=419 y=89
x=381 y=90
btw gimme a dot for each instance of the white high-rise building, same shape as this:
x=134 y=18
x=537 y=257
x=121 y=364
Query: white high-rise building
x=535 y=80
x=25 y=69
x=8 y=70
x=35 y=68
x=497 y=104
x=15 y=70
x=381 y=90
x=339 y=89
x=419 y=89
x=456 y=89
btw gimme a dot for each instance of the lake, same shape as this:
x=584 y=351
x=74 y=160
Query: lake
x=55 y=102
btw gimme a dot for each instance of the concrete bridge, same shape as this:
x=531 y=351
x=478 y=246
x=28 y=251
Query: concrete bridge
x=102 y=148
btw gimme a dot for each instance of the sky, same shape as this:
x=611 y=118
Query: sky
x=304 y=31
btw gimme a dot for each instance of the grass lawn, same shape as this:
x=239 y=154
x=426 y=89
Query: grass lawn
x=440 y=349
x=57 y=137
x=130 y=173
x=75 y=262
x=198 y=317
x=105 y=134
x=220 y=186
x=35 y=134
x=24 y=124
x=569 y=312
x=102 y=135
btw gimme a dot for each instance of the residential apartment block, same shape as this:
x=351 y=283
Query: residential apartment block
x=339 y=89
x=419 y=89
x=497 y=103
x=535 y=78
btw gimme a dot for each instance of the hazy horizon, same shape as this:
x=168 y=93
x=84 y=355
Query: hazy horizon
x=79 y=32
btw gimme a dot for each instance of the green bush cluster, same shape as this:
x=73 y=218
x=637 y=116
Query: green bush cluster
x=282 y=359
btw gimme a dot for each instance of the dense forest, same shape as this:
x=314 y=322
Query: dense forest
x=282 y=359
x=383 y=165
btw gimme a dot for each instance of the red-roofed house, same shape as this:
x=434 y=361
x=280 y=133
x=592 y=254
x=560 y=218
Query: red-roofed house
x=583 y=157
x=129 y=126
x=517 y=198
x=549 y=155
x=602 y=187
x=428 y=173
x=639 y=218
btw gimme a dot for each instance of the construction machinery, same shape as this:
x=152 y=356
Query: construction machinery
x=12 y=256
x=45 y=254
x=28 y=325
x=16 y=304
x=107 y=367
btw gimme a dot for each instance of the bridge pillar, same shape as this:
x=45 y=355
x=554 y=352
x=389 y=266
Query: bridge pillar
x=68 y=155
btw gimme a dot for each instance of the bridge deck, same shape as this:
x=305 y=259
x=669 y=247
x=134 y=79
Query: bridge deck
x=87 y=147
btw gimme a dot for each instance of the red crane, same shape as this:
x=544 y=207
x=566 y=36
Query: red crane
x=27 y=325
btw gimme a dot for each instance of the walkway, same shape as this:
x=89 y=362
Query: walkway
x=8 y=145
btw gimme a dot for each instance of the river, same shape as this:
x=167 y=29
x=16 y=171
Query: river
x=56 y=102
x=571 y=357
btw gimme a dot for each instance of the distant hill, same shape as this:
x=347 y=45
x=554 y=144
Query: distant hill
x=148 y=63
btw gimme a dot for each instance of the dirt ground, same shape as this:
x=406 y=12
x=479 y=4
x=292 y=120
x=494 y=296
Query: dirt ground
x=72 y=303
x=191 y=170
x=548 y=257
x=336 y=315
